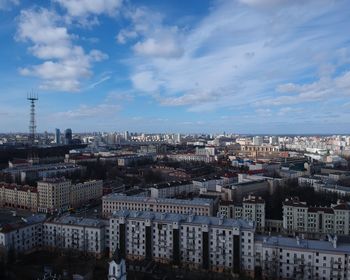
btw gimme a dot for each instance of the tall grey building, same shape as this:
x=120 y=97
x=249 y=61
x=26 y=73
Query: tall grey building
x=68 y=136
x=58 y=136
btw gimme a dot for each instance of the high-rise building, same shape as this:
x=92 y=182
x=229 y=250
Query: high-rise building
x=67 y=136
x=58 y=136
x=257 y=140
x=126 y=135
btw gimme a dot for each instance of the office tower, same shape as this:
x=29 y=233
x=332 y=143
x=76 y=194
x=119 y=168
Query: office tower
x=67 y=136
x=58 y=136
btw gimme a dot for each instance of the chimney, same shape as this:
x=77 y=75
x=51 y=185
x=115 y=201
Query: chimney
x=334 y=241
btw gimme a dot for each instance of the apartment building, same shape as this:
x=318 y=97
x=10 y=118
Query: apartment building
x=83 y=192
x=22 y=236
x=294 y=258
x=251 y=209
x=301 y=218
x=171 y=189
x=114 y=202
x=19 y=197
x=72 y=233
x=22 y=173
x=53 y=195
x=58 y=194
x=197 y=242
x=191 y=157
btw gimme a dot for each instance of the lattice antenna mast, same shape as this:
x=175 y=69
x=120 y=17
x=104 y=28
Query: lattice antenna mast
x=32 y=97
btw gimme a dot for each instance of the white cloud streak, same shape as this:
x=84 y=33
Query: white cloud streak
x=240 y=55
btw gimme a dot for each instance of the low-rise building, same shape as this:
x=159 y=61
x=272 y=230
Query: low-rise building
x=114 y=202
x=22 y=174
x=172 y=189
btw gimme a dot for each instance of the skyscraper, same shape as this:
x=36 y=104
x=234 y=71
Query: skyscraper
x=58 y=136
x=67 y=136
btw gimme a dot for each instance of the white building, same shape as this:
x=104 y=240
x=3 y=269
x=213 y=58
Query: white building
x=198 y=242
x=80 y=234
x=258 y=140
x=24 y=236
x=117 y=267
x=116 y=201
x=252 y=209
x=299 y=217
x=172 y=189
x=294 y=258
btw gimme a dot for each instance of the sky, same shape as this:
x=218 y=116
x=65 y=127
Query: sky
x=239 y=66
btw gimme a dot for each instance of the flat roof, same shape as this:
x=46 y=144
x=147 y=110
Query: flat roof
x=184 y=219
x=313 y=245
x=143 y=199
x=78 y=221
x=171 y=184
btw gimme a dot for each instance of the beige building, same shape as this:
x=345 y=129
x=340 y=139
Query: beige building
x=58 y=194
x=197 y=206
x=84 y=192
x=53 y=195
x=17 y=196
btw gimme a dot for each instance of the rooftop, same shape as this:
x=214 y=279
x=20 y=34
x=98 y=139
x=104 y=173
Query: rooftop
x=171 y=184
x=313 y=245
x=185 y=219
x=77 y=221
x=143 y=199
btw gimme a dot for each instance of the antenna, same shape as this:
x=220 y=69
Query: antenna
x=32 y=97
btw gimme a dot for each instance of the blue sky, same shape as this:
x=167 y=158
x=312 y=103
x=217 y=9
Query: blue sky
x=246 y=66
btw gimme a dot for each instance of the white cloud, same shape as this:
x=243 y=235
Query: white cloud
x=8 y=4
x=65 y=64
x=84 y=111
x=161 y=47
x=120 y=96
x=322 y=90
x=145 y=81
x=269 y=3
x=154 y=38
x=80 y=8
x=239 y=56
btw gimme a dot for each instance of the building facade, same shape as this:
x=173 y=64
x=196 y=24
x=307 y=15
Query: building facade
x=19 y=197
x=172 y=189
x=71 y=233
x=58 y=194
x=198 y=242
x=294 y=258
x=298 y=217
x=251 y=209
x=116 y=201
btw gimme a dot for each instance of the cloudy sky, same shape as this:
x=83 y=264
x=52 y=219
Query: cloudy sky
x=246 y=66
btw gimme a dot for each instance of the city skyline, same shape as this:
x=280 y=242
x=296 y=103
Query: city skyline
x=245 y=66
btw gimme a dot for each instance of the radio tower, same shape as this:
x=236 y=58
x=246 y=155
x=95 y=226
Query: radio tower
x=32 y=97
